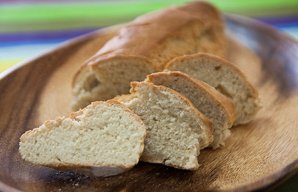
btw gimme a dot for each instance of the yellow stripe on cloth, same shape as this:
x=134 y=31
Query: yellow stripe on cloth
x=5 y=64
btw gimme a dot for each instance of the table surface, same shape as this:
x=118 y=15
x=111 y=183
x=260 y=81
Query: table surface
x=29 y=27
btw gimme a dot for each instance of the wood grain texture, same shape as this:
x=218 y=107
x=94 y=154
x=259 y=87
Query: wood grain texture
x=257 y=155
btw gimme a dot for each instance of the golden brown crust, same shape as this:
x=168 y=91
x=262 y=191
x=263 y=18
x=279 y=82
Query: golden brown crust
x=217 y=97
x=147 y=35
x=201 y=116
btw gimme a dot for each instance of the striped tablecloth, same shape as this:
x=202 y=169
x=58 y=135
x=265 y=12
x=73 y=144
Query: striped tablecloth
x=30 y=27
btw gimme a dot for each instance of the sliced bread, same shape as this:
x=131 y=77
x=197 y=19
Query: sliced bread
x=146 y=44
x=218 y=108
x=105 y=138
x=176 y=130
x=223 y=76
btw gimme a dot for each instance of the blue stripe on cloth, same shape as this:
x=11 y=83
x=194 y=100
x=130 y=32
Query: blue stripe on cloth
x=24 y=51
x=53 y=37
x=281 y=22
x=287 y=25
x=278 y=20
x=40 y=37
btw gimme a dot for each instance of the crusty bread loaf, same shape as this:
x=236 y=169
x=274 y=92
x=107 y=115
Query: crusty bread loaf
x=146 y=44
x=105 y=138
x=225 y=77
x=176 y=130
x=218 y=108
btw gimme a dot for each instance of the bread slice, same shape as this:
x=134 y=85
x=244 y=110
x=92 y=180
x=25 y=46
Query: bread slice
x=105 y=138
x=146 y=44
x=176 y=131
x=225 y=77
x=218 y=108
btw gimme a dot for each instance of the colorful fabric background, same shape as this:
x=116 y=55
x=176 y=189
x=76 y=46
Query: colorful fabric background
x=29 y=27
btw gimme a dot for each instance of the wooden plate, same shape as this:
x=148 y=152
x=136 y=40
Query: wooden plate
x=257 y=155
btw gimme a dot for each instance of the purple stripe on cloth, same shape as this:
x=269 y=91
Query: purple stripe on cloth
x=280 y=20
x=32 y=42
x=42 y=35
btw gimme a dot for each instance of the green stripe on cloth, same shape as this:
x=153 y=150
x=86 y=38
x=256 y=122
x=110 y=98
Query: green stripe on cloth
x=56 y=16
x=56 y=12
x=73 y=11
x=32 y=17
x=238 y=6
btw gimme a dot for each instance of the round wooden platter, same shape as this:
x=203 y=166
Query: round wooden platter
x=256 y=155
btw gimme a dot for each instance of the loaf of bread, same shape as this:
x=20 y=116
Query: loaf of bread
x=145 y=45
x=189 y=101
x=176 y=130
x=223 y=76
x=218 y=108
x=106 y=138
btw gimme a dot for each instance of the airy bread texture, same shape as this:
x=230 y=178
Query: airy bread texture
x=105 y=138
x=176 y=130
x=85 y=87
x=146 y=44
x=218 y=108
x=223 y=76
